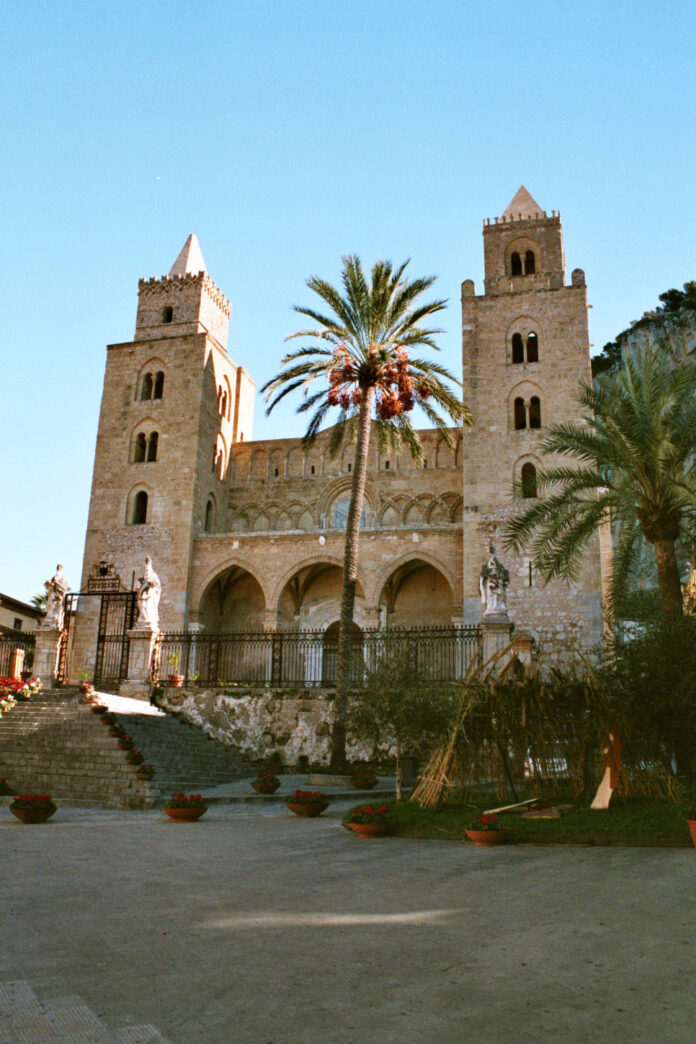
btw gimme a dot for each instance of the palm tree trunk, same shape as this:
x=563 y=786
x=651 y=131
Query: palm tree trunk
x=668 y=577
x=350 y=574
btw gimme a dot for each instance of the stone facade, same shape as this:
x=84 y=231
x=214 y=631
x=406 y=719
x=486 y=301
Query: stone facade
x=248 y=535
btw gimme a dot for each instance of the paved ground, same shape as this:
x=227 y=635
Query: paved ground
x=255 y=927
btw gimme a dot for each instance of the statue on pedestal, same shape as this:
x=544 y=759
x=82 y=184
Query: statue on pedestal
x=493 y=581
x=56 y=590
x=148 y=595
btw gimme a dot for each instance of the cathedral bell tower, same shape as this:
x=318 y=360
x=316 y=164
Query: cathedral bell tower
x=173 y=404
x=524 y=351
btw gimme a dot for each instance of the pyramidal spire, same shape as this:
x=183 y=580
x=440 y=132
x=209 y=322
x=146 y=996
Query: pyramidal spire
x=522 y=204
x=190 y=260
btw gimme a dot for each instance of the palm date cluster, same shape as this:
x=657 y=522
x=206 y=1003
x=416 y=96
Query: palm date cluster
x=393 y=380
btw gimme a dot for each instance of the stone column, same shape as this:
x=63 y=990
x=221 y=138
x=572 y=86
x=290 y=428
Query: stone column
x=141 y=642
x=497 y=630
x=46 y=655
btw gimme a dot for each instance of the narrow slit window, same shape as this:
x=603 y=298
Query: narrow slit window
x=209 y=516
x=515 y=264
x=529 y=481
x=152 y=446
x=517 y=348
x=146 y=387
x=139 y=451
x=520 y=414
x=535 y=412
x=529 y=263
x=167 y=314
x=159 y=385
x=532 y=348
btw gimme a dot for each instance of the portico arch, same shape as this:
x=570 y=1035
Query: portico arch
x=416 y=593
x=310 y=598
x=233 y=601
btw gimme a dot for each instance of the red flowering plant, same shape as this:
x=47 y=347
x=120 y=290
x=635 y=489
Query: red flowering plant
x=307 y=797
x=485 y=821
x=369 y=814
x=134 y=757
x=19 y=689
x=266 y=776
x=31 y=801
x=182 y=800
x=145 y=771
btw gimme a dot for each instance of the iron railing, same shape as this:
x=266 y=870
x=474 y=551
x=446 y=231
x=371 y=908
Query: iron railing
x=16 y=653
x=309 y=658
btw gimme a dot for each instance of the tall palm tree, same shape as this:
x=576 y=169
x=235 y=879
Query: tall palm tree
x=636 y=454
x=366 y=370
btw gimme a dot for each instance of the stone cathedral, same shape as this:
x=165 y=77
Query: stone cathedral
x=248 y=535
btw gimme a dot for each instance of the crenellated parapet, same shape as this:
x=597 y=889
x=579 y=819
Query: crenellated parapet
x=171 y=284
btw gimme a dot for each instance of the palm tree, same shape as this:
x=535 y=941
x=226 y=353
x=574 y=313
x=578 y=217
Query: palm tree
x=636 y=454
x=366 y=369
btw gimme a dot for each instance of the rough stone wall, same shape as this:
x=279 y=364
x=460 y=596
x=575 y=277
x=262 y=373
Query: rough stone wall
x=494 y=450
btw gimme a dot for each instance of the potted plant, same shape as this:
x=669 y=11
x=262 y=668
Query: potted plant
x=32 y=808
x=486 y=831
x=265 y=783
x=174 y=679
x=363 y=778
x=108 y=719
x=125 y=742
x=369 y=821
x=86 y=686
x=134 y=757
x=185 y=808
x=307 y=803
x=145 y=772
x=99 y=708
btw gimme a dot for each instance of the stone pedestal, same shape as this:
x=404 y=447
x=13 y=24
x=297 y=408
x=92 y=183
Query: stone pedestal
x=46 y=655
x=141 y=642
x=496 y=628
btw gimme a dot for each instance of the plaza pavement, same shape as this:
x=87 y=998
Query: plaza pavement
x=255 y=927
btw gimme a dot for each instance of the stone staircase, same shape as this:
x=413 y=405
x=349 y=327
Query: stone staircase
x=55 y=744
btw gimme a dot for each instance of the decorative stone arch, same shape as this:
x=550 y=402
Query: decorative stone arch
x=227 y=391
x=524 y=340
x=321 y=557
x=220 y=459
x=416 y=511
x=294 y=462
x=258 y=465
x=134 y=501
x=276 y=464
x=521 y=248
x=518 y=477
x=444 y=455
x=295 y=509
x=457 y=511
x=392 y=511
x=239 y=522
x=440 y=510
x=259 y=524
x=339 y=488
x=201 y=584
x=375 y=592
x=239 y=465
x=210 y=598
x=458 y=453
x=149 y=380
x=523 y=392
x=210 y=514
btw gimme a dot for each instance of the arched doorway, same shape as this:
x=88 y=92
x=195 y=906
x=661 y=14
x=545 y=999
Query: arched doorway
x=417 y=594
x=233 y=601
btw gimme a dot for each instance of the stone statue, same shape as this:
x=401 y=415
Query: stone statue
x=493 y=581
x=56 y=590
x=149 y=591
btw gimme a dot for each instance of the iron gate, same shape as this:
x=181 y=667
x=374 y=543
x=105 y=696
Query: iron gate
x=116 y=616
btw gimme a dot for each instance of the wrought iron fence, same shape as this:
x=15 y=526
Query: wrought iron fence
x=309 y=658
x=16 y=653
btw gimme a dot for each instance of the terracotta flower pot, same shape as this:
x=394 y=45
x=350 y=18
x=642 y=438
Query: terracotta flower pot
x=363 y=784
x=365 y=830
x=99 y=708
x=176 y=681
x=125 y=744
x=262 y=787
x=692 y=828
x=33 y=814
x=486 y=838
x=186 y=815
x=309 y=809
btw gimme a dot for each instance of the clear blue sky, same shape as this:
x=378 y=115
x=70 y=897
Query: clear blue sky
x=286 y=134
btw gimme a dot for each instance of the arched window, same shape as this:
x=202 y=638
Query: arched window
x=529 y=480
x=529 y=263
x=532 y=348
x=167 y=314
x=139 y=450
x=139 y=516
x=515 y=264
x=159 y=385
x=517 y=348
x=209 y=516
x=520 y=414
x=223 y=405
x=152 y=446
x=146 y=387
x=215 y=457
x=340 y=518
x=535 y=412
